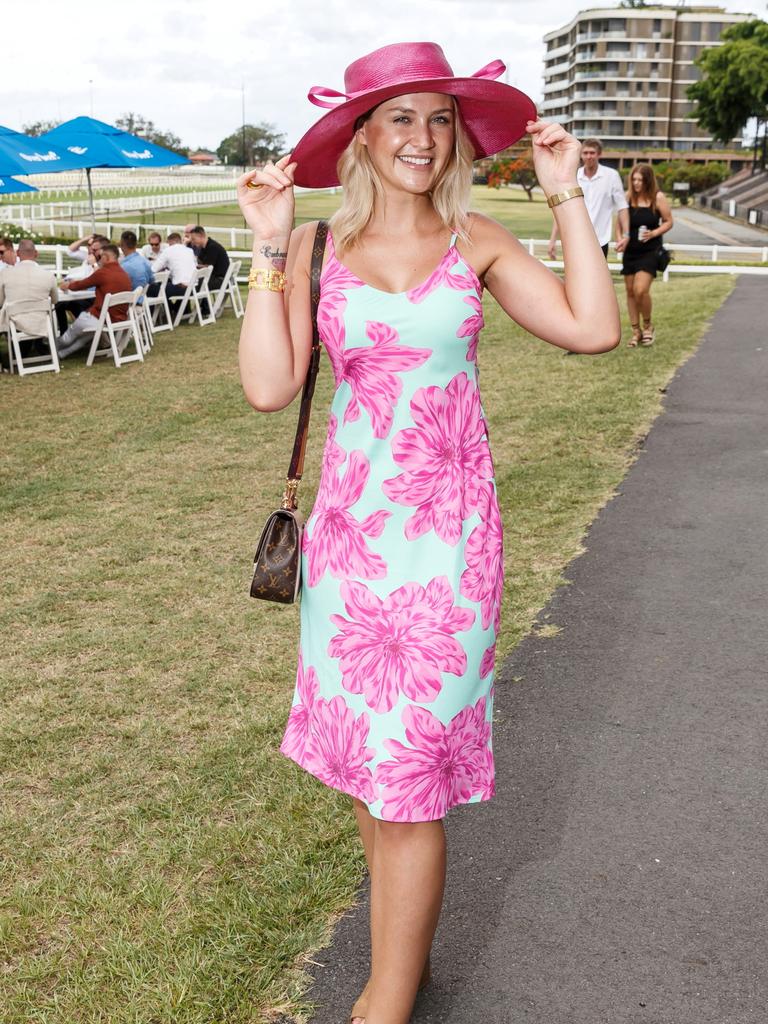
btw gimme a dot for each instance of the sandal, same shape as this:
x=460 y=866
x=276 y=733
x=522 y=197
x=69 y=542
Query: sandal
x=358 y=1011
x=648 y=336
x=636 y=335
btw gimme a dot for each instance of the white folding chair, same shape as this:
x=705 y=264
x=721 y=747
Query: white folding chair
x=15 y=313
x=228 y=289
x=115 y=336
x=197 y=289
x=156 y=309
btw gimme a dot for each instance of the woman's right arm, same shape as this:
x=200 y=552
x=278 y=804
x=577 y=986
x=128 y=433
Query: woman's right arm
x=276 y=336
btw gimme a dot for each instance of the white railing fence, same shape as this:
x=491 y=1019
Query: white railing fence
x=57 y=257
x=30 y=214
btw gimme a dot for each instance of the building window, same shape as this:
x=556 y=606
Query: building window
x=637 y=127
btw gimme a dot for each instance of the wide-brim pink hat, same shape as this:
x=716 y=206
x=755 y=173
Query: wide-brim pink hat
x=494 y=114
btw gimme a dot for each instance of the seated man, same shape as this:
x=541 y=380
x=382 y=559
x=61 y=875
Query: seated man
x=210 y=253
x=88 y=251
x=188 y=229
x=108 y=279
x=7 y=255
x=133 y=263
x=28 y=280
x=180 y=260
x=155 y=245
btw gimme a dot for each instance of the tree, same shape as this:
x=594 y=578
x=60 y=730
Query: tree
x=633 y=3
x=145 y=129
x=252 y=144
x=734 y=88
x=699 y=177
x=36 y=128
x=514 y=171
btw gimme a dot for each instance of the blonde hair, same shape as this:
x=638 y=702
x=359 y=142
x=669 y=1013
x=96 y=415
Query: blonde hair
x=362 y=187
x=650 y=186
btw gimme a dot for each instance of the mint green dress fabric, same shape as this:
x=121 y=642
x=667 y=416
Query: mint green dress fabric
x=402 y=558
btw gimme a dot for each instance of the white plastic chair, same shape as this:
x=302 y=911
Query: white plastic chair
x=228 y=289
x=120 y=333
x=30 y=364
x=156 y=309
x=197 y=289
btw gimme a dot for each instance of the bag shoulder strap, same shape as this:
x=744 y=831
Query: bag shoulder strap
x=296 y=467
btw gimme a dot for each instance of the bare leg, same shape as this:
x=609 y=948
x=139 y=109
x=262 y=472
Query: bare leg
x=406 y=897
x=642 y=289
x=367 y=826
x=634 y=314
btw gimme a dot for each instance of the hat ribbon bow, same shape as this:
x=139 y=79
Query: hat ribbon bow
x=332 y=98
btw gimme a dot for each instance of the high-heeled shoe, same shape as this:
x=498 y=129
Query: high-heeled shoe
x=648 y=336
x=360 y=1008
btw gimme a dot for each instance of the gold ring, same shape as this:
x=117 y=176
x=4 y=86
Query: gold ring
x=253 y=184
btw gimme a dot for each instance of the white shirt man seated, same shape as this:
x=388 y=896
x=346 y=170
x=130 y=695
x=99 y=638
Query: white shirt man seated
x=154 y=247
x=7 y=254
x=28 y=280
x=180 y=260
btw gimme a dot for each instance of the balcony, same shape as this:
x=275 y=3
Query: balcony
x=588 y=37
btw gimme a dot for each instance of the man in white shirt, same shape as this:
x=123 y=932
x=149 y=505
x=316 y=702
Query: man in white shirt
x=181 y=262
x=154 y=247
x=7 y=254
x=603 y=194
x=28 y=280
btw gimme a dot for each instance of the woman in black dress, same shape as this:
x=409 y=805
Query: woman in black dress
x=649 y=218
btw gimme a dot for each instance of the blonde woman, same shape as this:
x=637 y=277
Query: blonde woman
x=649 y=218
x=402 y=562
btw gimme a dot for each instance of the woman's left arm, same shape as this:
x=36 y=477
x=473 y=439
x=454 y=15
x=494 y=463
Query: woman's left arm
x=579 y=313
x=665 y=212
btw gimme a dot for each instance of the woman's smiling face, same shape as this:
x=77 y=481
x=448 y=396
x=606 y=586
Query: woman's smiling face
x=410 y=140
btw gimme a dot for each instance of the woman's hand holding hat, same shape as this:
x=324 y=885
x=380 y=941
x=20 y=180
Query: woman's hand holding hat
x=266 y=199
x=556 y=155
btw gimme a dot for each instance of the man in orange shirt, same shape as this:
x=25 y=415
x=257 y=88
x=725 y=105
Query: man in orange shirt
x=107 y=279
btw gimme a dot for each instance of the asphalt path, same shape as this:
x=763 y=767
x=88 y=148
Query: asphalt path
x=620 y=875
x=693 y=226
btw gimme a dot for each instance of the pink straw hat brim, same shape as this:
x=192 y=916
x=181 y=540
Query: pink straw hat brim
x=494 y=115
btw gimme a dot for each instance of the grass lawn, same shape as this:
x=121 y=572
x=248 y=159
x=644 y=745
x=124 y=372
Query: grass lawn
x=160 y=861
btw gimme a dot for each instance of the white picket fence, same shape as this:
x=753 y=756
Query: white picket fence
x=57 y=257
x=33 y=213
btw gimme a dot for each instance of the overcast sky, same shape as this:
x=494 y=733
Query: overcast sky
x=183 y=63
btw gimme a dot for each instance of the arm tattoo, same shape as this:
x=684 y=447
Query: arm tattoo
x=277 y=258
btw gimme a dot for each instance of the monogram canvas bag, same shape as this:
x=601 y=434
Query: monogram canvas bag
x=277 y=562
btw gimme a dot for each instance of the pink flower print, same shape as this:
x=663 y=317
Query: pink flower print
x=296 y=731
x=338 y=539
x=333 y=457
x=373 y=374
x=442 y=275
x=488 y=661
x=472 y=326
x=335 y=281
x=400 y=644
x=445 y=458
x=444 y=765
x=483 y=579
x=336 y=752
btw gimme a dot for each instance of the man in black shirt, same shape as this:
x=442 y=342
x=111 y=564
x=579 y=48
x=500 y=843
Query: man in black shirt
x=210 y=253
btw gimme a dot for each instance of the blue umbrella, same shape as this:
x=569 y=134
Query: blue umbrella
x=20 y=154
x=96 y=144
x=10 y=185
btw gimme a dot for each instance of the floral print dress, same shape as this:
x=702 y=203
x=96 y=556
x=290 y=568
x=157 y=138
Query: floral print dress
x=402 y=561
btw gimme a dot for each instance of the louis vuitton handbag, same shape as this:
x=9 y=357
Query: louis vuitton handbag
x=277 y=562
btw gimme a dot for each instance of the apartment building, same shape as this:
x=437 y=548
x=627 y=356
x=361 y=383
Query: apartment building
x=621 y=74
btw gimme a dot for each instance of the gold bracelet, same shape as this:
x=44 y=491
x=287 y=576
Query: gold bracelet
x=564 y=196
x=263 y=279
